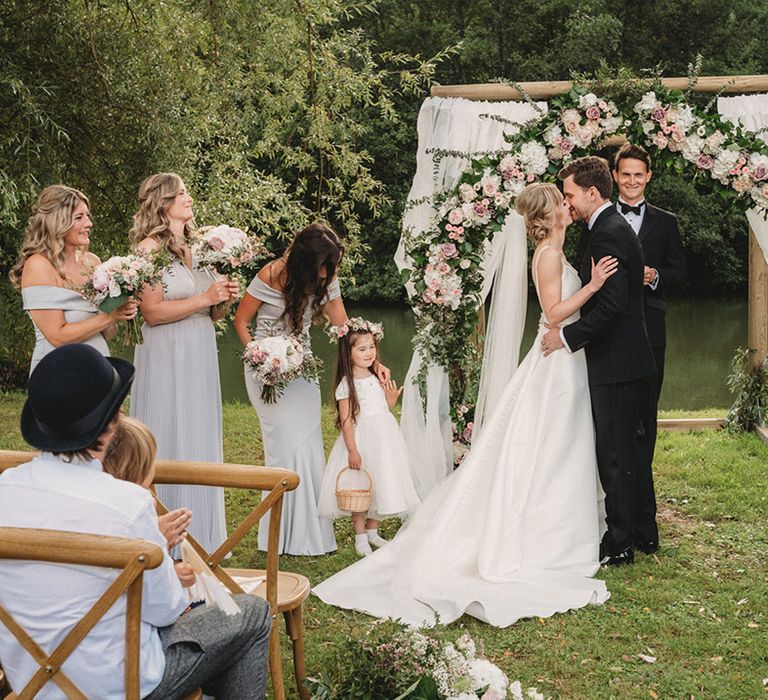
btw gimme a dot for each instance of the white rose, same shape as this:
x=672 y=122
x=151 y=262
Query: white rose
x=466 y=192
x=588 y=100
x=647 y=104
x=465 y=264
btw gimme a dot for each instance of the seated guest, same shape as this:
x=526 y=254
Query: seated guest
x=131 y=457
x=71 y=414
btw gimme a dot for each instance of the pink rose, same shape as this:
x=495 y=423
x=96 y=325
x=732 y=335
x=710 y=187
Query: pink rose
x=602 y=104
x=489 y=189
x=660 y=140
x=531 y=177
x=571 y=127
x=705 y=161
x=216 y=243
x=585 y=134
x=659 y=114
x=443 y=268
x=760 y=172
x=276 y=362
x=456 y=216
x=426 y=296
x=449 y=249
x=678 y=135
x=566 y=145
x=479 y=209
x=593 y=112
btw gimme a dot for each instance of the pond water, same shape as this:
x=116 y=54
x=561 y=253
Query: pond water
x=702 y=337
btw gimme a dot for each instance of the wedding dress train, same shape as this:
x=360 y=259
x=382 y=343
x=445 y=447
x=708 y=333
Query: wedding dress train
x=514 y=531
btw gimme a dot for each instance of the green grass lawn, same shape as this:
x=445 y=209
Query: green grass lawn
x=699 y=607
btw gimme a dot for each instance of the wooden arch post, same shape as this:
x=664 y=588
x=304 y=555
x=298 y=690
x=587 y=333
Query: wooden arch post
x=758 y=268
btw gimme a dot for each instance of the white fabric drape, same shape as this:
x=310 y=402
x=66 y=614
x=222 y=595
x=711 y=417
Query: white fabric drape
x=752 y=112
x=456 y=125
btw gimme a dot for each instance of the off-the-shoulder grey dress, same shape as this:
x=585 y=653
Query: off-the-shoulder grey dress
x=292 y=436
x=177 y=393
x=75 y=307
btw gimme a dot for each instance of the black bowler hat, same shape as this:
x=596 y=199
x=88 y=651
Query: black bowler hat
x=72 y=395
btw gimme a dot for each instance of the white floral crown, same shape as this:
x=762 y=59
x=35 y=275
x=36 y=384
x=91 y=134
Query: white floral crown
x=356 y=325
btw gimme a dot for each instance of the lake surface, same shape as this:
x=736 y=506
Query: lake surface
x=702 y=335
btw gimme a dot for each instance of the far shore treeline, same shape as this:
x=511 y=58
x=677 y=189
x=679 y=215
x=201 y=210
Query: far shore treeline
x=277 y=112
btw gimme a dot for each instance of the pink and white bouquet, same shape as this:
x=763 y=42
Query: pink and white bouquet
x=120 y=278
x=582 y=126
x=229 y=251
x=276 y=360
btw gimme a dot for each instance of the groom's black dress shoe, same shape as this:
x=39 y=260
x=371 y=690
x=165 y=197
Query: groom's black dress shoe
x=625 y=557
x=647 y=547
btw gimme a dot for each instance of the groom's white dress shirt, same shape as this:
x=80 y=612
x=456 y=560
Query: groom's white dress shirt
x=48 y=599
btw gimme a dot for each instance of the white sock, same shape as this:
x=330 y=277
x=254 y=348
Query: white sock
x=375 y=539
x=362 y=546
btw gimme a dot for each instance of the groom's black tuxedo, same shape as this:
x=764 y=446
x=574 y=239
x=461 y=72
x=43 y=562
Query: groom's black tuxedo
x=612 y=324
x=621 y=368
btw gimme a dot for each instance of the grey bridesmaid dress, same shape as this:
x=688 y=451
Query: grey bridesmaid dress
x=292 y=436
x=177 y=393
x=75 y=307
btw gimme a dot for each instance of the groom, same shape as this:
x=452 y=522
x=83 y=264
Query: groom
x=620 y=362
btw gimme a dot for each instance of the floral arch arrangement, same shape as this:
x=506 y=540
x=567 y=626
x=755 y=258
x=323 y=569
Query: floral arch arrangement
x=693 y=141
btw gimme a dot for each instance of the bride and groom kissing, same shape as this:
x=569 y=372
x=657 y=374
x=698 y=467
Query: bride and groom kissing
x=517 y=530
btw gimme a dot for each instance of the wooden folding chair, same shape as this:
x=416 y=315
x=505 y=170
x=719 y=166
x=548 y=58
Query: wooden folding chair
x=132 y=556
x=285 y=592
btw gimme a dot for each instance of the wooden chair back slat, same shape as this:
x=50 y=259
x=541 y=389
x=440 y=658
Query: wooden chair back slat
x=242 y=476
x=133 y=556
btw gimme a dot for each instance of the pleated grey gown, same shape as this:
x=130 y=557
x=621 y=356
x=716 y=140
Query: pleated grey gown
x=292 y=437
x=75 y=307
x=177 y=393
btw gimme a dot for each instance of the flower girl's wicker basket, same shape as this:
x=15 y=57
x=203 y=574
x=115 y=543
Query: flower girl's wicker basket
x=354 y=500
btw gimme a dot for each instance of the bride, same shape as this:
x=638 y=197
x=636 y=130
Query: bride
x=514 y=532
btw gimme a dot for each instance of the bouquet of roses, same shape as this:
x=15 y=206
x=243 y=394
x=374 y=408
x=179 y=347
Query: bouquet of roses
x=118 y=279
x=229 y=251
x=276 y=360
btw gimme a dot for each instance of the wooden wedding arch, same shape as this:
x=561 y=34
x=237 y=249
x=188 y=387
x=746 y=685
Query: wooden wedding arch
x=758 y=268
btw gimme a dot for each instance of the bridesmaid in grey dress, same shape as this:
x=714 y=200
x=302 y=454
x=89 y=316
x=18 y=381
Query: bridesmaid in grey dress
x=176 y=391
x=285 y=297
x=54 y=261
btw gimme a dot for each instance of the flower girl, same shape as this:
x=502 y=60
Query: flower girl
x=370 y=437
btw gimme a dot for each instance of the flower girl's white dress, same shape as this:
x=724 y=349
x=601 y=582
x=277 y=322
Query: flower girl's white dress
x=382 y=448
x=514 y=532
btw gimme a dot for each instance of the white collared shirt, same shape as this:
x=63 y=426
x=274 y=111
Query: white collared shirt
x=634 y=220
x=597 y=213
x=48 y=599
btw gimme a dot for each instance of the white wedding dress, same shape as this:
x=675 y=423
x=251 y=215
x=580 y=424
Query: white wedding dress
x=514 y=532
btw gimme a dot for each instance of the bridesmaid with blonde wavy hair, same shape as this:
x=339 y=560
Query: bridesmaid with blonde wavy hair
x=53 y=263
x=176 y=392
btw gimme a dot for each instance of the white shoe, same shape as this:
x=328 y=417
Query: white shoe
x=376 y=540
x=363 y=548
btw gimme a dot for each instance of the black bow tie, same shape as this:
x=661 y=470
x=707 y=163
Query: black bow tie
x=628 y=208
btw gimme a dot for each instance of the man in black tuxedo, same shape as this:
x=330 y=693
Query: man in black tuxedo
x=665 y=269
x=619 y=358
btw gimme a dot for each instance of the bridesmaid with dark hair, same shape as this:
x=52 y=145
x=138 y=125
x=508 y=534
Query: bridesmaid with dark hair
x=286 y=296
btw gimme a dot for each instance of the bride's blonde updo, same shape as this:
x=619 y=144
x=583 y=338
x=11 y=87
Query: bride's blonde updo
x=539 y=204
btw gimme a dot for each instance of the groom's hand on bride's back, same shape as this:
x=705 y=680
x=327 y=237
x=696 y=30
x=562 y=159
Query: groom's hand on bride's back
x=551 y=340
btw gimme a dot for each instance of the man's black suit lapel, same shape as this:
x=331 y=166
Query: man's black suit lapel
x=649 y=221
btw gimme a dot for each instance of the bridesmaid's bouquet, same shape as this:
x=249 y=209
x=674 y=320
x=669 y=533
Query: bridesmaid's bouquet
x=276 y=360
x=228 y=251
x=118 y=279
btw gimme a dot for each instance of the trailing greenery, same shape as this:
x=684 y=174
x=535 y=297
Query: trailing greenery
x=750 y=386
x=700 y=606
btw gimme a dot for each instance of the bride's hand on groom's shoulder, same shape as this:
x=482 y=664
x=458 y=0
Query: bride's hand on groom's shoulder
x=602 y=270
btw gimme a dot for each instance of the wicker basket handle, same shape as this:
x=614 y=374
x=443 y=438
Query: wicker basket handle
x=362 y=469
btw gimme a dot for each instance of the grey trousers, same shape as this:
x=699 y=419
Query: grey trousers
x=224 y=655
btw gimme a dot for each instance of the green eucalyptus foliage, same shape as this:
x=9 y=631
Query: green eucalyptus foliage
x=750 y=386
